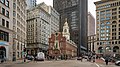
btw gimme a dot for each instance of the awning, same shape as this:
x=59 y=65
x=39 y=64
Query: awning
x=3 y=43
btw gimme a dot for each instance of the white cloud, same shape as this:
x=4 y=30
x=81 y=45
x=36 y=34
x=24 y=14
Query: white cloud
x=48 y=2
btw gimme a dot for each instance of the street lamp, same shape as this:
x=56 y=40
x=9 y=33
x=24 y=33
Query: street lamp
x=24 y=52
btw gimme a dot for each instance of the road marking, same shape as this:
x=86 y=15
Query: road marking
x=97 y=65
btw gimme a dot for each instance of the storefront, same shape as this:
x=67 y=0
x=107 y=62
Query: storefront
x=4 y=49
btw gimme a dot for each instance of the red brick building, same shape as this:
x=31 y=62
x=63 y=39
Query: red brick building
x=60 y=46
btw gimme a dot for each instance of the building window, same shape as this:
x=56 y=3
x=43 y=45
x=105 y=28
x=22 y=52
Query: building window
x=7 y=13
x=3 y=22
x=18 y=54
x=7 y=24
x=7 y=3
x=108 y=18
x=119 y=37
x=3 y=1
x=112 y=42
x=107 y=26
x=115 y=42
x=119 y=42
x=14 y=13
x=114 y=17
x=119 y=16
x=119 y=12
x=114 y=9
x=3 y=11
x=14 y=5
x=4 y=36
x=97 y=43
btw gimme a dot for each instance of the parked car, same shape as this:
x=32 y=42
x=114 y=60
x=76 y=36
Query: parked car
x=85 y=57
x=79 y=58
x=117 y=62
x=29 y=57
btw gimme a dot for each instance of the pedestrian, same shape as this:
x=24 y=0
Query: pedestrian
x=106 y=60
x=81 y=58
x=93 y=59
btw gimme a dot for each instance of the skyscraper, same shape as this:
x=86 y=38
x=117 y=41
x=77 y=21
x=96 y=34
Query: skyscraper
x=91 y=24
x=31 y=3
x=76 y=13
x=91 y=32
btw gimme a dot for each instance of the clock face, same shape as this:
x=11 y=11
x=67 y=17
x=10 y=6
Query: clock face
x=65 y=30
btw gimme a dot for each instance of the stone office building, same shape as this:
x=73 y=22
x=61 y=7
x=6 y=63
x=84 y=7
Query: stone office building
x=6 y=26
x=108 y=27
x=42 y=20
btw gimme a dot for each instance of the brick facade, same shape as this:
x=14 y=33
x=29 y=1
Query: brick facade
x=65 y=48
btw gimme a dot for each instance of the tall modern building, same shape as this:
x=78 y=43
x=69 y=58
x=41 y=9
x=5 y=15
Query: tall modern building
x=31 y=3
x=76 y=13
x=91 y=33
x=108 y=27
x=42 y=20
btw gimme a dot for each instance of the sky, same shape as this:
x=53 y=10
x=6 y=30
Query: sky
x=91 y=6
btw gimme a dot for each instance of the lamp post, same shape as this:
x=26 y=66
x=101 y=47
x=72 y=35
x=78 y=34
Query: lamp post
x=24 y=52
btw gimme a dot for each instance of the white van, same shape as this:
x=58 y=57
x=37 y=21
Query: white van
x=40 y=56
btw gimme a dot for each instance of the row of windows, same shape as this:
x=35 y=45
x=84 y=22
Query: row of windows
x=109 y=5
x=108 y=37
x=113 y=42
x=5 y=2
x=106 y=14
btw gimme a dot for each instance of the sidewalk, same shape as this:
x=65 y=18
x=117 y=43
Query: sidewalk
x=16 y=62
x=100 y=61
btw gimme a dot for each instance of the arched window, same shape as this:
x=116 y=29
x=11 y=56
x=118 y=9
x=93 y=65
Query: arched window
x=100 y=50
x=115 y=49
x=114 y=22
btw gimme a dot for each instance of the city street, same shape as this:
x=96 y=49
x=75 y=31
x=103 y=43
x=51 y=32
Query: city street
x=59 y=63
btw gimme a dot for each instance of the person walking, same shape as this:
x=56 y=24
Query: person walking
x=93 y=59
x=106 y=60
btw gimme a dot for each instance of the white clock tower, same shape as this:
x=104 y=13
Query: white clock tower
x=66 y=30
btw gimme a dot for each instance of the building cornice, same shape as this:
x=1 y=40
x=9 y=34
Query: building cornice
x=103 y=1
x=4 y=28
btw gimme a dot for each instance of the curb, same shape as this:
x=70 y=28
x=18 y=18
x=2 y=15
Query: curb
x=22 y=62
